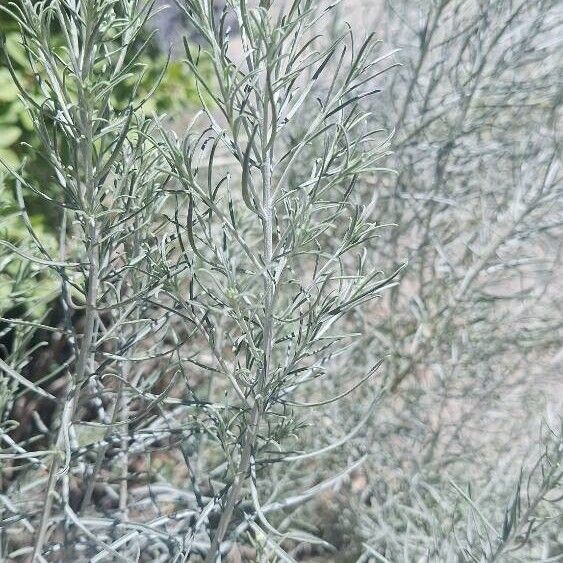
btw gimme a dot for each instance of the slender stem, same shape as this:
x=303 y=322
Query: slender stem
x=251 y=433
x=124 y=413
x=86 y=351
x=87 y=498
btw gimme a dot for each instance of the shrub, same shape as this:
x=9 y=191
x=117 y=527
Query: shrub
x=226 y=297
x=473 y=328
x=238 y=292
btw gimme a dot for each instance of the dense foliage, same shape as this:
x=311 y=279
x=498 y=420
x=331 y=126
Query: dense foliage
x=291 y=298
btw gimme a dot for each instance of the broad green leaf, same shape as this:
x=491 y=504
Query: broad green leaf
x=9 y=135
x=9 y=114
x=9 y=157
x=8 y=90
x=15 y=49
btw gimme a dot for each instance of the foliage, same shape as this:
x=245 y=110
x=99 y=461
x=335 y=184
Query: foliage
x=15 y=125
x=23 y=284
x=237 y=363
x=473 y=330
x=271 y=303
x=176 y=92
x=239 y=291
x=106 y=191
x=19 y=142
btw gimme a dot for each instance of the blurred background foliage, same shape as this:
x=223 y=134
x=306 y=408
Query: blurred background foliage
x=19 y=278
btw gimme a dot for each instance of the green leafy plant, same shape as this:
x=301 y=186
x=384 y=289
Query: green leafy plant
x=23 y=284
x=15 y=124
